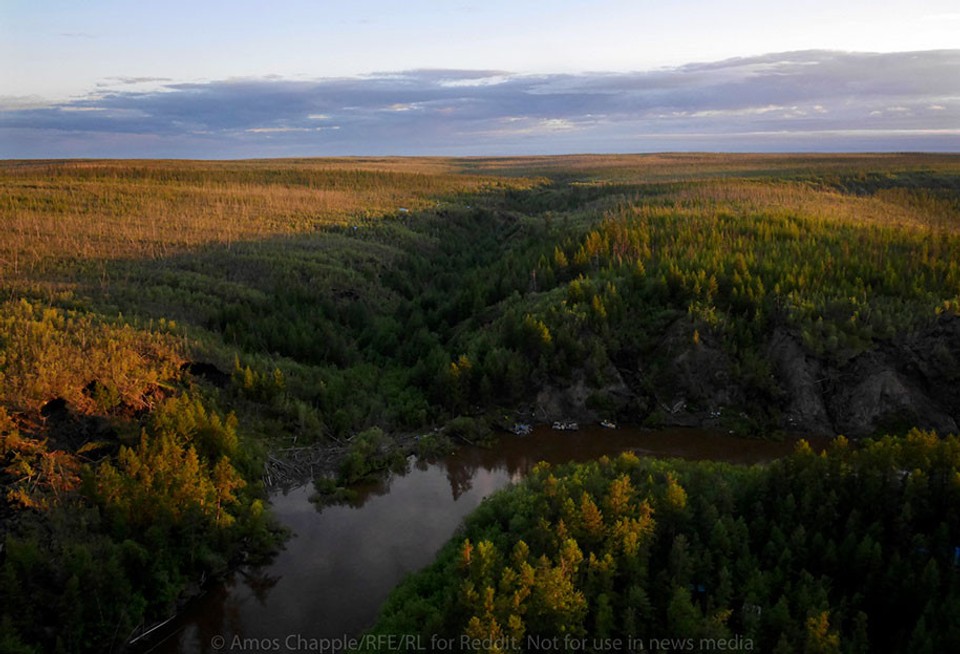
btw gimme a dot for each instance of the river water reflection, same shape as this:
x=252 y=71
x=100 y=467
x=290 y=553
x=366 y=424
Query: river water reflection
x=342 y=562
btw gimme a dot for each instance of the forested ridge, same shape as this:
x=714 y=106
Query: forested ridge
x=166 y=328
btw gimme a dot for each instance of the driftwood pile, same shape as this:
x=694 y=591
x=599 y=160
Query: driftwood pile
x=293 y=466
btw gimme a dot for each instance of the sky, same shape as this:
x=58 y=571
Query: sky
x=242 y=78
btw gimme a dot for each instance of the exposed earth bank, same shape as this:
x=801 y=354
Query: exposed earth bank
x=910 y=381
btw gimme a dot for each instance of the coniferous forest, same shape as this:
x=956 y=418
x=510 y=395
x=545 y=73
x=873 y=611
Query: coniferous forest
x=171 y=330
x=853 y=550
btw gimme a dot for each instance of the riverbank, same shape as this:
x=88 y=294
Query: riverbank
x=395 y=526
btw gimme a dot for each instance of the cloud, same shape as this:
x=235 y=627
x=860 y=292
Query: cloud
x=810 y=100
x=130 y=81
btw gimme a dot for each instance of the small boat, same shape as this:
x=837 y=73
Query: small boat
x=566 y=425
x=609 y=424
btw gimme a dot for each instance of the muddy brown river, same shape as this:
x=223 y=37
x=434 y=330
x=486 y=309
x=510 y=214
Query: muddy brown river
x=341 y=562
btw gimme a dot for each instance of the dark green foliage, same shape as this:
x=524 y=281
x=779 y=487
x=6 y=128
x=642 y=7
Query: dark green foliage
x=345 y=318
x=119 y=552
x=470 y=430
x=370 y=453
x=848 y=551
x=433 y=445
x=363 y=321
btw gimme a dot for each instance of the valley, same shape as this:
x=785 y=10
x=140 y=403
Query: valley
x=179 y=339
